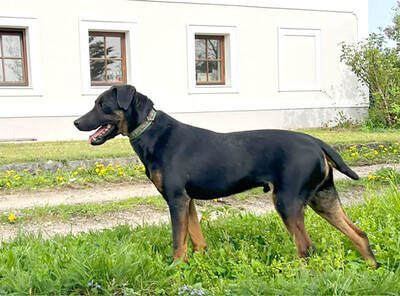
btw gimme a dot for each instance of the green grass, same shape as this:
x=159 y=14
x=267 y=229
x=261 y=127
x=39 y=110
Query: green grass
x=78 y=150
x=63 y=151
x=246 y=255
x=354 y=136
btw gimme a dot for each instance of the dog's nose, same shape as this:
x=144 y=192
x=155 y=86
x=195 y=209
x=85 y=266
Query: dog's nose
x=76 y=123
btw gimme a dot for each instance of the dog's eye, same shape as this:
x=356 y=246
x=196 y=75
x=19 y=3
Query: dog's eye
x=106 y=109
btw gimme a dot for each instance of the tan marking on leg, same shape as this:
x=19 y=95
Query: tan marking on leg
x=156 y=178
x=123 y=124
x=196 y=235
x=296 y=228
x=327 y=168
x=331 y=210
x=181 y=237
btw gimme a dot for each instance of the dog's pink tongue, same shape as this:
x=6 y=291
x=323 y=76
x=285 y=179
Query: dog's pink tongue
x=96 y=134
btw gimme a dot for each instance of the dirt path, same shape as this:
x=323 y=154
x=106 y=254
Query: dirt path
x=139 y=215
x=112 y=192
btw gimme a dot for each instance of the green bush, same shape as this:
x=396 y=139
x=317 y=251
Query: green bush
x=377 y=65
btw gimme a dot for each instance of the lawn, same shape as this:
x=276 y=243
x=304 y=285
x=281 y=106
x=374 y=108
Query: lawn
x=246 y=255
x=77 y=150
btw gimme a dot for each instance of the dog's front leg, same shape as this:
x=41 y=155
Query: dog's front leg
x=179 y=210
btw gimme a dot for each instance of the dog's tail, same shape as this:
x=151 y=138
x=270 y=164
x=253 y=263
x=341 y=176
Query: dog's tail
x=336 y=160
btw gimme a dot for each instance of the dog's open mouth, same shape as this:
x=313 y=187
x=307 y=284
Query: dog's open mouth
x=100 y=136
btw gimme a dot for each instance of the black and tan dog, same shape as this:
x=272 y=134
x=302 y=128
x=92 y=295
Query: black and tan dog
x=186 y=163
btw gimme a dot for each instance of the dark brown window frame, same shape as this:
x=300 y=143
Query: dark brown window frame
x=22 y=34
x=221 y=38
x=122 y=35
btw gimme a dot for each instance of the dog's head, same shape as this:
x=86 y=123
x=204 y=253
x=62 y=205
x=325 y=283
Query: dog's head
x=118 y=110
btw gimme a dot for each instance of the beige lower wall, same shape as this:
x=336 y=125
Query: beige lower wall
x=62 y=128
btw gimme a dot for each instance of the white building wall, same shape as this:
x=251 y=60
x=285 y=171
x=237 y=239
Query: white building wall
x=158 y=56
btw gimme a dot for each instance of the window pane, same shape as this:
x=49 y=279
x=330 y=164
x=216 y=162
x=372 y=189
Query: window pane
x=1 y=71
x=214 y=49
x=96 y=46
x=200 y=48
x=214 y=71
x=13 y=70
x=113 y=47
x=201 y=71
x=114 y=71
x=12 y=46
x=97 y=70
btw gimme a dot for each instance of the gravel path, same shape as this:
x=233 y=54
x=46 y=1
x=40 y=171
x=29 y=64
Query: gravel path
x=140 y=215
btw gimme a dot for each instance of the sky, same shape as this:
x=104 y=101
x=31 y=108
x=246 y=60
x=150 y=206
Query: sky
x=380 y=13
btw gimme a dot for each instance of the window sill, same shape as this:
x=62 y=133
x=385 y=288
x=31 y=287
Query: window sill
x=19 y=91
x=213 y=89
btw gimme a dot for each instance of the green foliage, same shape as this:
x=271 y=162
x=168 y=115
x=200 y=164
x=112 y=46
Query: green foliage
x=246 y=255
x=377 y=66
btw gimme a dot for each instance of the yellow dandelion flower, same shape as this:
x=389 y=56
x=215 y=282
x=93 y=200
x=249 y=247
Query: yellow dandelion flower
x=26 y=170
x=12 y=218
x=381 y=146
x=80 y=169
x=8 y=184
x=353 y=154
x=75 y=173
x=117 y=166
x=97 y=170
x=215 y=199
x=387 y=178
x=9 y=172
x=38 y=171
x=396 y=143
x=17 y=177
x=121 y=172
x=376 y=152
x=371 y=177
x=143 y=169
x=395 y=150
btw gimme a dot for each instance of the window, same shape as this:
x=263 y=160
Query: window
x=13 y=66
x=107 y=56
x=210 y=53
x=212 y=59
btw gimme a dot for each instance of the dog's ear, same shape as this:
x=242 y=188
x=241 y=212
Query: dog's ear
x=125 y=94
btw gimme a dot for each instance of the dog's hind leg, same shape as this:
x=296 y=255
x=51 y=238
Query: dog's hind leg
x=327 y=204
x=196 y=235
x=292 y=214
